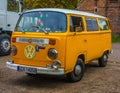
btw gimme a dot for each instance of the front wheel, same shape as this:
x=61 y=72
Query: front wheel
x=4 y=44
x=78 y=71
x=30 y=74
x=102 y=61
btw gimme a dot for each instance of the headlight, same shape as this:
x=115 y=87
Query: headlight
x=52 y=53
x=13 y=50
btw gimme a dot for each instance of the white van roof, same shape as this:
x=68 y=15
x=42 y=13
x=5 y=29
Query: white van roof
x=67 y=11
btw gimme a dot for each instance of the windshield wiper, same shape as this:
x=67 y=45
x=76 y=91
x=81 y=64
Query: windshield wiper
x=46 y=32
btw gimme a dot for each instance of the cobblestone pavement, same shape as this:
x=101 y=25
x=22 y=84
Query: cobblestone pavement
x=115 y=56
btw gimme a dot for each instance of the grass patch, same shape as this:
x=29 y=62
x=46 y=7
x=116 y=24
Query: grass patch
x=115 y=39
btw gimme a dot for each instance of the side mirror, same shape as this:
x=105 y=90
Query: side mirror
x=21 y=3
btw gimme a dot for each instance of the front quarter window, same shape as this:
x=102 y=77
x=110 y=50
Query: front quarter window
x=42 y=22
x=76 y=24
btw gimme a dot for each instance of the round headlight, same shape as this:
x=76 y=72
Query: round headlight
x=52 y=53
x=13 y=50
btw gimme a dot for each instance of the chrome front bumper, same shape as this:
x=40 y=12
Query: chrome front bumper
x=35 y=70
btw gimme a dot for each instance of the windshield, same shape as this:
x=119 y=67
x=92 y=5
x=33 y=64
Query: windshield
x=42 y=22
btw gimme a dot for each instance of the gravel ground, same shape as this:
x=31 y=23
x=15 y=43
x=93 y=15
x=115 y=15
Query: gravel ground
x=96 y=79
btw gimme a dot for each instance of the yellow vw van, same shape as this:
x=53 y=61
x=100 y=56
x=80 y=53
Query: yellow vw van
x=59 y=42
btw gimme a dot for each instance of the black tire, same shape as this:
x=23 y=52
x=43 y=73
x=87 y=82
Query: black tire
x=77 y=75
x=4 y=44
x=102 y=61
x=31 y=75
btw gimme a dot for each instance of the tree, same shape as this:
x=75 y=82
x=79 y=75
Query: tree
x=32 y=4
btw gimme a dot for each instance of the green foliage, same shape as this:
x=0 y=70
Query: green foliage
x=116 y=39
x=12 y=6
x=32 y=4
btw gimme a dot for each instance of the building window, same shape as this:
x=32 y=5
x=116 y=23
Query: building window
x=113 y=1
x=95 y=9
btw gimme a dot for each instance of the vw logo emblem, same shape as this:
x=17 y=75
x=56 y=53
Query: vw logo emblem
x=29 y=51
x=29 y=40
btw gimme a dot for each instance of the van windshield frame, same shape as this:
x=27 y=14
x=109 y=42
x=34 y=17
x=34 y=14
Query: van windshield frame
x=42 y=21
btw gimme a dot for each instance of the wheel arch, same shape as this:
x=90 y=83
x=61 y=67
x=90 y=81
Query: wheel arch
x=82 y=56
x=74 y=76
x=107 y=51
x=2 y=32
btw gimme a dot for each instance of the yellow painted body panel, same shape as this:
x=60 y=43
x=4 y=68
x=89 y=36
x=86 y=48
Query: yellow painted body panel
x=41 y=58
x=91 y=45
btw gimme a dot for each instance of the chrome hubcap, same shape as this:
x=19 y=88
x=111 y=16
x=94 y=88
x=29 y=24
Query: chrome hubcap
x=77 y=70
x=105 y=57
x=6 y=45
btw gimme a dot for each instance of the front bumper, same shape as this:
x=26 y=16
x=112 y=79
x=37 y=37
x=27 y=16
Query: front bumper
x=35 y=70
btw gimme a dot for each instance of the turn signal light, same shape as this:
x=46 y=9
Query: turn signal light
x=13 y=50
x=52 y=42
x=14 y=40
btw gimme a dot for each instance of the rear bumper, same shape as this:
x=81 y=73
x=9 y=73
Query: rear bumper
x=38 y=70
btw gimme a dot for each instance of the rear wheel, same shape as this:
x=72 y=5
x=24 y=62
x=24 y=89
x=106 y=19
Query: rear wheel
x=78 y=71
x=4 y=44
x=102 y=61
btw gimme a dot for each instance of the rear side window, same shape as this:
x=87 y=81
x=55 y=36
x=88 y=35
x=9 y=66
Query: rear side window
x=103 y=24
x=91 y=24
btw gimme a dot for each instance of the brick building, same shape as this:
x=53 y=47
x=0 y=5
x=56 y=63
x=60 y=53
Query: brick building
x=108 y=8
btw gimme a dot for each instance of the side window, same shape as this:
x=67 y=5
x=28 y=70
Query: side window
x=76 y=24
x=91 y=24
x=103 y=24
